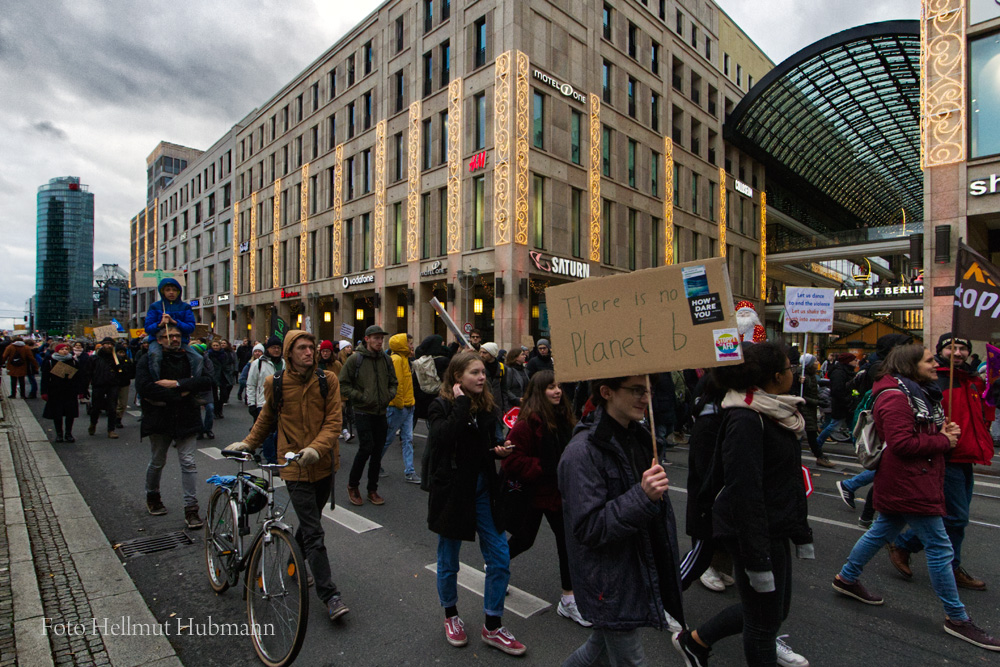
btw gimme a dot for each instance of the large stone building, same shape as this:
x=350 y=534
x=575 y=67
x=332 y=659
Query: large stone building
x=476 y=154
x=65 y=254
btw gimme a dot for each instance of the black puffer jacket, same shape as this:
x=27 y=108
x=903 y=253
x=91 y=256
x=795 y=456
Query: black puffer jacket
x=165 y=411
x=841 y=397
x=763 y=496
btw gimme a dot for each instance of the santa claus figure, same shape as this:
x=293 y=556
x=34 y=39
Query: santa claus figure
x=748 y=323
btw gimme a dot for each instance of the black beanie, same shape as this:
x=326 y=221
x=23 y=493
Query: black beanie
x=947 y=339
x=273 y=340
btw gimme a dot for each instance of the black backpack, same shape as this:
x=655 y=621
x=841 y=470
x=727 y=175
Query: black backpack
x=277 y=394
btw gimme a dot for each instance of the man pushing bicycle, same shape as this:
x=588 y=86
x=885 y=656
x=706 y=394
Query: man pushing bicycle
x=303 y=405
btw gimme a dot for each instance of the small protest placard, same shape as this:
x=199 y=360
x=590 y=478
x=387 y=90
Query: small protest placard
x=808 y=310
x=347 y=332
x=201 y=331
x=643 y=322
x=105 y=331
x=153 y=278
x=511 y=417
x=705 y=309
x=62 y=370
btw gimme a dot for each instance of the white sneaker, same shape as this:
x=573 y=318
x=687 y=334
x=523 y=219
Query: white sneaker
x=672 y=622
x=344 y=434
x=726 y=579
x=572 y=612
x=786 y=656
x=711 y=580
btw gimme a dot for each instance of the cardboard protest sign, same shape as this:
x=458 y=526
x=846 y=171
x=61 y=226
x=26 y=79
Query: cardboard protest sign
x=808 y=310
x=347 y=332
x=136 y=333
x=105 y=331
x=153 y=278
x=649 y=321
x=61 y=370
x=201 y=331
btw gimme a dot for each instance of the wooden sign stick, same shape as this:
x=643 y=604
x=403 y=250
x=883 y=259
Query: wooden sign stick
x=652 y=422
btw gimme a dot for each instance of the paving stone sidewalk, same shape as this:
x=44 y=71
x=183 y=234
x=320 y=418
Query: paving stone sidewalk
x=60 y=579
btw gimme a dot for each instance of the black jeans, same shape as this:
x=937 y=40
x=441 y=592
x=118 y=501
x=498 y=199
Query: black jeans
x=14 y=383
x=757 y=615
x=222 y=398
x=811 y=437
x=61 y=429
x=372 y=432
x=525 y=537
x=104 y=398
x=308 y=499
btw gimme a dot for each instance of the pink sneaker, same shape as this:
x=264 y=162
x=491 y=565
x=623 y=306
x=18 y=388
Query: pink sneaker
x=503 y=640
x=454 y=631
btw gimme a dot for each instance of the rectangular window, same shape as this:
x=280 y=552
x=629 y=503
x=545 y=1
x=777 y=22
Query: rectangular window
x=606 y=151
x=694 y=35
x=399 y=34
x=443 y=219
x=538 y=118
x=729 y=209
x=654 y=58
x=631 y=163
x=712 y=191
x=606 y=231
x=366 y=165
x=538 y=208
x=606 y=21
x=633 y=40
x=479 y=212
x=739 y=75
x=725 y=64
x=333 y=83
x=425 y=225
x=749 y=82
x=368 y=57
x=680 y=23
x=654 y=112
x=444 y=136
x=631 y=97
x=428 y=15
x=298 y=151
x=445 y=10
x=480 y=53
x=654 y=174
x=480 y=104
x=284 y=119
x=694 y=193
x=445 y=63
x=298 y=117
x=349 y=175
x=606 y=81
x=350 y=70
x=366 y=241
x=576 y=121
x=654 y=241
x=400 y=91
x=349 y=245
x=633 y=216
x=576 y=221
x=314 y=94
x=367 y=102
x=350 y=120
x=708 y=48
x=314 y=140
x=399 y=156
x=985 y=116
x=428 y=144
x=397 y=233
x=312 y=255
x=428 y=73
x=677 y=184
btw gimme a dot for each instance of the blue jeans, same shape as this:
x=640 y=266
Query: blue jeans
x=610 y=648
x=831 y=426
x=401 y=419
x=33 y=383
x=930 y=530
x=863 y=478
x=492 y=543
x=209 y=421
x=958 y=484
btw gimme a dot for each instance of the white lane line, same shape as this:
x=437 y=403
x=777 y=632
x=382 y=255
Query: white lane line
x=350 y=520
x=212 y=452
x=810 y=517
x=518 y=602
x=135 y=413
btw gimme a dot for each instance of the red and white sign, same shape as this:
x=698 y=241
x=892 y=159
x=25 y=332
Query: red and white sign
x=511 y=417
x=478 y=161
x=467 y=327
x=807 y=480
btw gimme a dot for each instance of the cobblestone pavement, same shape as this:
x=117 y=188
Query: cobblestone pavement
x=64 y=599
x=8 y=655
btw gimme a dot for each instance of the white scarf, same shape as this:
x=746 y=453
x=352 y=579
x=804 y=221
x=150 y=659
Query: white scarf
x=782 y=408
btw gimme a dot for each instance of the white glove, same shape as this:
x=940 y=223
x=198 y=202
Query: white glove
x=805 y=551
x=239 y=447
x=308 y=456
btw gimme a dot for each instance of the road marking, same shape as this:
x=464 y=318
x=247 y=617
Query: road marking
x=135 y=413
x=212 y=452
x=833 y=522
x=518 y=602
x=350 y=520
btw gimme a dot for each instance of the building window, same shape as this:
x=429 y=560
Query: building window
x=538 y=118
x=349 y=246
x=654 y=173
x=606 y=151
x=654 y=58
x=428 y=73
x=400 y=91
x=366 y=165
x=350 y=70
x=677 y=184
x=739 y=76
x=444 y=136
x=606 y=81
x=445 y=63
x=480 y=52
x=694 y=192
x=428 y=15
x=985 y=115
x=298 y=151
x=654 y=242
x=694 y=35
x=350 y=120
x=576 y=220
x=399 y=34
x=312 y=255
x=314 y=140
x=480 y=104
x=367 y=103
x=680 y=23
x=443 y=219
x=368 y=56
x=428 y=144
x=538 y=208
x=712 y=190
x=708 y=48
x=606 y=231
x=298 y=118
x=749 y=82
x=399 y=156
x=654 y=112
x=576 y=121
x=366 y=241
x=631 y=163
x=425 y=225
x=397 y=235
x=313 y=194
x=725 y=64
x=349 y=174
x=479 y=211
x=445 y=10
x=606 y=20
x=633 y=216
x=333 y=83
x=631 y=97
x=633 y=39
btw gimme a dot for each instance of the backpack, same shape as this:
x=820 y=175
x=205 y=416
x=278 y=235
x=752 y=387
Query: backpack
x=426 y=373
x=868 y=446
x=277 y=394
x=16 y=360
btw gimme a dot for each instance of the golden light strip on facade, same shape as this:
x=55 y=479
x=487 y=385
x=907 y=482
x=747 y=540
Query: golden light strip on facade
x=763 y=245
x=252 y=278
x=454 y=166
x=942 y=83
x=304 y=224
x=501 y=143
x=523 y=120
x=275 y=257
x=413 y=184
x=145 y=242
x=668 y=201
x=234 y=282
x=722 y=212
x=594 y=179
x=156 y=234
x=379 y=195
x=338 y=208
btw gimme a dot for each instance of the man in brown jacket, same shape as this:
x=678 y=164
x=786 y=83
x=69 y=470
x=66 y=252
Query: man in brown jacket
x=308 y=423
x=18 y=359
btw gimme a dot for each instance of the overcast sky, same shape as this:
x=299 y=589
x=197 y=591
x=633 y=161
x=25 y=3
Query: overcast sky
x=91 y=86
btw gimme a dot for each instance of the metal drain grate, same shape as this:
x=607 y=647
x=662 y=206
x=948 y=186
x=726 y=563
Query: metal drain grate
x=147 y=545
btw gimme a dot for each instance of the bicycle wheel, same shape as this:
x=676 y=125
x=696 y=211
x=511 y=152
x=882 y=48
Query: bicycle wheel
x=277 y=598
x=221 y=537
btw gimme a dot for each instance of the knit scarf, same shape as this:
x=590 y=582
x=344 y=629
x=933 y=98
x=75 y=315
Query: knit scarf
x=62 y=357
x=782 y=408
x=925 y=400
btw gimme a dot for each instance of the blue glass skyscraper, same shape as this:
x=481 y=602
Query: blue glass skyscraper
x=64 y=265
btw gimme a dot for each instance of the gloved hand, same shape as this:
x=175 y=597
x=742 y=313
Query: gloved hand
x=762 y=582
x=239 y=447
x=308 y=456
x=805 y=551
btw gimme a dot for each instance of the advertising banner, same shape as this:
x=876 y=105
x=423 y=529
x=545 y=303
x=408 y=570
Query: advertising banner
x=648 y=321
x=808 y=310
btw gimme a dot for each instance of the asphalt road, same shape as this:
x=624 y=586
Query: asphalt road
x=395 y=618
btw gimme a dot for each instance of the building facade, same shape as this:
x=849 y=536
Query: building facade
x=65 y=254
x=478 y=155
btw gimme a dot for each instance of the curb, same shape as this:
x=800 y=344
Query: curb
x=109 y=589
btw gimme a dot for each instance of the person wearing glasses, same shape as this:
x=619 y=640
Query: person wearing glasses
x=621 y=536
x=476 y=339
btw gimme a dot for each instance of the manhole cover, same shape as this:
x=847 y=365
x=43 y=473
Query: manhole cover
x=152 y=544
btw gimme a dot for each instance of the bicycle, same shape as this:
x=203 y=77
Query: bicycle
x=275 y=588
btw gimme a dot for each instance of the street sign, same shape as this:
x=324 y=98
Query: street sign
x=511 y=417
x=467 y=327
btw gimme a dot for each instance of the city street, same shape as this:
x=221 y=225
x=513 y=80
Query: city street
x=380 y=558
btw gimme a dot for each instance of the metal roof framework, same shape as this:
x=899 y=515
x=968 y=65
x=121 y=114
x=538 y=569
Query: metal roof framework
x=841 y=120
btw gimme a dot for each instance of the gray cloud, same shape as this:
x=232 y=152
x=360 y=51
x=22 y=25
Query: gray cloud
x=47 y=127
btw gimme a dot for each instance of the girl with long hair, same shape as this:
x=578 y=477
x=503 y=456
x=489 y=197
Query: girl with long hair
x=543 y=429
x=464 y=488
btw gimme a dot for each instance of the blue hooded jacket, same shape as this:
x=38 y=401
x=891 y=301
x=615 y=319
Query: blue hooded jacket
x=179 y=310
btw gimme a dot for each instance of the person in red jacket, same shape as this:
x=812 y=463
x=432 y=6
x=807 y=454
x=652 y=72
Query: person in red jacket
x=909 y=483
x=964 y=403
x=543 y=429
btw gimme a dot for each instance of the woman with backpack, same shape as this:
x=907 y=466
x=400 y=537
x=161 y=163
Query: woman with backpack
x=909 y=483
x=464 y=488
x=543 y=429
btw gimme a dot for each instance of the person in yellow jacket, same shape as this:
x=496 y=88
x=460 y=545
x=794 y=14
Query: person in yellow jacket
x=400 y=412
